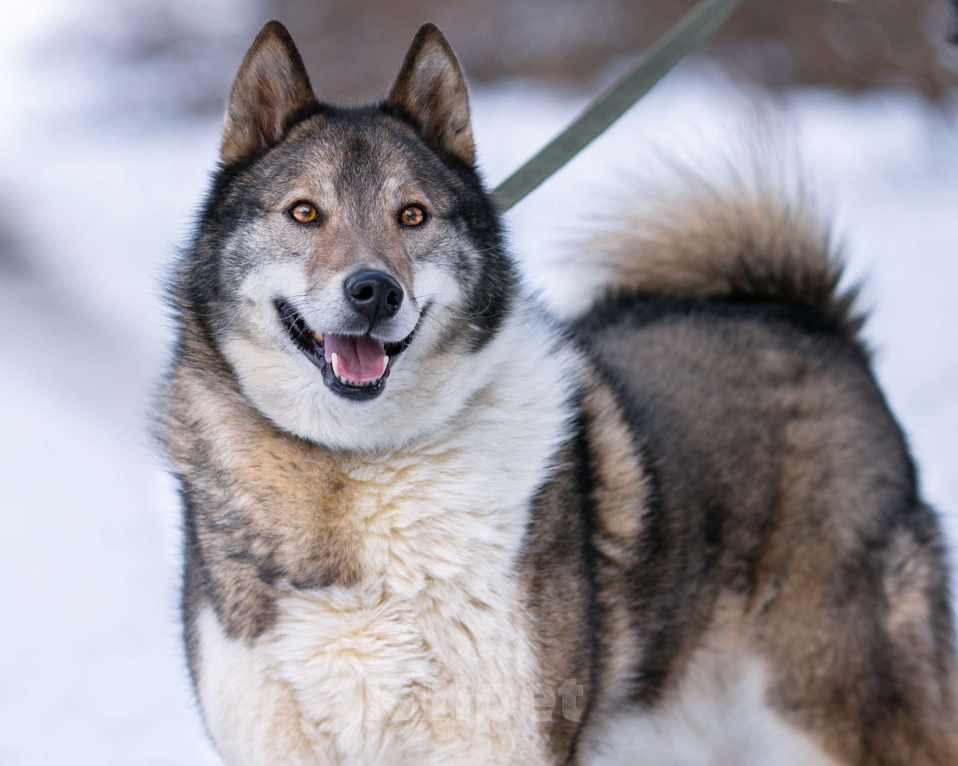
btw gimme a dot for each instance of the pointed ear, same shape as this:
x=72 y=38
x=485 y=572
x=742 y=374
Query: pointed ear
x=270 y=87
x=432 y=88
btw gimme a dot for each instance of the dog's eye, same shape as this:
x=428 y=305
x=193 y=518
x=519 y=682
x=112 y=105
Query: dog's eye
x=304 y=212
x=412 y=215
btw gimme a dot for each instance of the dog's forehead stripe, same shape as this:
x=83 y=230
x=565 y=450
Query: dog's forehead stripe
x=359 y=173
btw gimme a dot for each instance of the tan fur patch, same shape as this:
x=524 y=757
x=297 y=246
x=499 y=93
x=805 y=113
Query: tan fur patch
x=289 y=520
x=621 y=499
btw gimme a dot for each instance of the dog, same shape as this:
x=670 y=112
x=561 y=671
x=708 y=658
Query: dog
x=427 y=522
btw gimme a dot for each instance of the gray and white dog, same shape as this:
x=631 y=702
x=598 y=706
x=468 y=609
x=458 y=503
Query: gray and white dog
x=427 y=523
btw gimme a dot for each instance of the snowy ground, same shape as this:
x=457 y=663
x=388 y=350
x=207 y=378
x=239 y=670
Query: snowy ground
x=90 y=662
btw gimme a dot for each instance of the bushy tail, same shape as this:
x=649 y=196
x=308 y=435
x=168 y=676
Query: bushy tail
x=742 y=239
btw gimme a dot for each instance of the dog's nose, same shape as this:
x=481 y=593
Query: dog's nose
x=374 y=294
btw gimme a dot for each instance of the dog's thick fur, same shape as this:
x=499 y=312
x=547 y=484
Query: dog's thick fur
x=683 y=528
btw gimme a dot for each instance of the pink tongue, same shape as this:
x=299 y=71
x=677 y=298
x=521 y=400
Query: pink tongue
x=360 y=359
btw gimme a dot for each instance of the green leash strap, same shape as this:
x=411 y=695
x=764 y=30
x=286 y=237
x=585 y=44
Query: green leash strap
x=694 y=29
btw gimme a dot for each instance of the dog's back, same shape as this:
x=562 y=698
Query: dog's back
x=790 y=520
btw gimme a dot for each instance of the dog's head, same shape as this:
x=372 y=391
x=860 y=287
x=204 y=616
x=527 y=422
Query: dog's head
x=348 y=262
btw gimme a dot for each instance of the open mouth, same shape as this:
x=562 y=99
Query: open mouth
x=353 y=366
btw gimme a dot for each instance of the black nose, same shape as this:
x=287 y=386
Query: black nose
x=374 y=294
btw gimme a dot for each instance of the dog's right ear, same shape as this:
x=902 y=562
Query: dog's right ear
x=271 y=86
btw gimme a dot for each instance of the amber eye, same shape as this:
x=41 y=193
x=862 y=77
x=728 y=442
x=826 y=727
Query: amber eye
x=304 y=212
x=412 y=215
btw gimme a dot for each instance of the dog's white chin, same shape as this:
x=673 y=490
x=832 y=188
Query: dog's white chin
x=423 y=394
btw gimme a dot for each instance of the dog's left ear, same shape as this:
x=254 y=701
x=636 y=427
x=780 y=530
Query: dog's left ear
x=432 y=89
x=270 y=87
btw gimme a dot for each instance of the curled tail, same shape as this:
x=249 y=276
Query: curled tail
x=740 y=240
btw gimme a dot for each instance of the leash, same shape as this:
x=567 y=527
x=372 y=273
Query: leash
x=697 y=26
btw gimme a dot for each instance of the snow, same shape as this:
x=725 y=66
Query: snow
x=91 y=667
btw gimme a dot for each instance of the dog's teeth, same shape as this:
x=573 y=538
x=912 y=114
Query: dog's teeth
x=335 y=362
x=320 y=337
x=385 y=364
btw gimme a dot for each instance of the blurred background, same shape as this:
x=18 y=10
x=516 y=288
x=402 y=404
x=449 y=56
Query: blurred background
x=110 y=113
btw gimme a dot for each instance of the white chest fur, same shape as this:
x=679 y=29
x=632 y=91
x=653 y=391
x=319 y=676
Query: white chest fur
x=429 y=659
